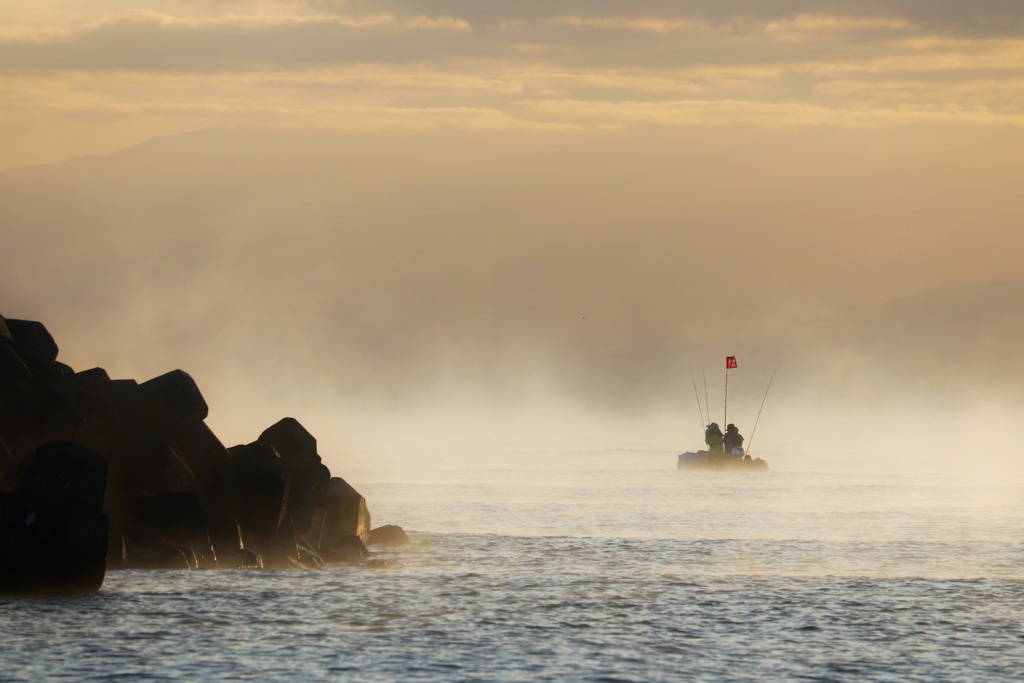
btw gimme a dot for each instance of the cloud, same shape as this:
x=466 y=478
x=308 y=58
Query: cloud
x=333 y=64
x=984 y=18
x=146 y=41
x=633 y=24
x=580 y=35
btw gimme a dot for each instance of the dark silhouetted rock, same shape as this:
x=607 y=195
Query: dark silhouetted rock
x=115 y=550
x=288 y=436
x=240 y=559
x=101 y=396
x=175 y=497
x=103 y=400
x=158 y=556
x=388 y=534
x=283 y=550
x=347 y=549
x=229 y=545
x=308 y=557
x=177 y=518
x=178 y=515
x=33 y=335
x=151 y=449
x=176 y=396
x=54 y=535
x=308 y=477
x=345 y=514
x=257 y=490
x=36 y=405
x=206 y=458
x=12 y=367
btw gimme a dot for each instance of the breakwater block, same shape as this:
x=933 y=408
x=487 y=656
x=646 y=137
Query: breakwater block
x=347 y=549
x=344 y=514
x=389 y=534
x=33 y=335
x=53 y=532
x=170 y=493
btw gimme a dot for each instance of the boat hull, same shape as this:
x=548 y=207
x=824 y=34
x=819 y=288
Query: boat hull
x=703 y=460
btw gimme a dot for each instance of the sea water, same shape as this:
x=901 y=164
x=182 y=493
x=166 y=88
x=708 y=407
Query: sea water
x=603 y=566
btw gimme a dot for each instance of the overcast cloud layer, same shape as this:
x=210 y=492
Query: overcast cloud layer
x=89 y=80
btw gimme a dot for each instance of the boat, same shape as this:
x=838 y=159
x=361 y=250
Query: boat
x=705 y=460
x=735 y=460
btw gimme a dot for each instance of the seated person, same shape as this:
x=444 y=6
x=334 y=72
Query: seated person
x=714 y=439
x=733 y=440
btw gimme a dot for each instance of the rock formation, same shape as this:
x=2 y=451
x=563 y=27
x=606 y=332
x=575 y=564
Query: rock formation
x=53 y=533
x=140 y=458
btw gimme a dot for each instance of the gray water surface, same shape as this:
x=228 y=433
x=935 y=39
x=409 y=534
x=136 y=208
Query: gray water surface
x=600 y=567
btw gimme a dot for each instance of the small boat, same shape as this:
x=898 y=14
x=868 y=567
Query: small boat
x=705 y=460
x=735 y=459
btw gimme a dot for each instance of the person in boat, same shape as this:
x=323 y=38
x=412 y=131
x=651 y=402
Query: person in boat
x=714 y=439
x=733 y=440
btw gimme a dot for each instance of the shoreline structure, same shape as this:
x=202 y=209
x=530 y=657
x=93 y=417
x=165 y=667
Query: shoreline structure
x=102 y=474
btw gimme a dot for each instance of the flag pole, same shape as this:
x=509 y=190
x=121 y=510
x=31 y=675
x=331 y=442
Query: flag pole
x=730 y=362
x=725 y=420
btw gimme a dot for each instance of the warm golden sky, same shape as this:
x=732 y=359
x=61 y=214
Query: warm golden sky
x=382 y=200
x=90 y=77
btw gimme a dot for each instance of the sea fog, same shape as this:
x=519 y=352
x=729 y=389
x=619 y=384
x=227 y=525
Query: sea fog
x=869 y=497
x=553 y=538
x=591 y=565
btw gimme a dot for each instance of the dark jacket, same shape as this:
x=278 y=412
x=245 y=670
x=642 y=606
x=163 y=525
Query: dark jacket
x=733 y=439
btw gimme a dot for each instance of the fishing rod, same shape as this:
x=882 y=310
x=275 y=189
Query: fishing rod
x=706 y=401
x=697 y=396
x=754 y=430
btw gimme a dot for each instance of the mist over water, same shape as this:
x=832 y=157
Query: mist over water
x=834 y=517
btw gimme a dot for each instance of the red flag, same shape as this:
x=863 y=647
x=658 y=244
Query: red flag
x=730 y=362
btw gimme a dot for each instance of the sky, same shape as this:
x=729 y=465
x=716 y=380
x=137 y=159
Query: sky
x=88 y=78
x=447 y=219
